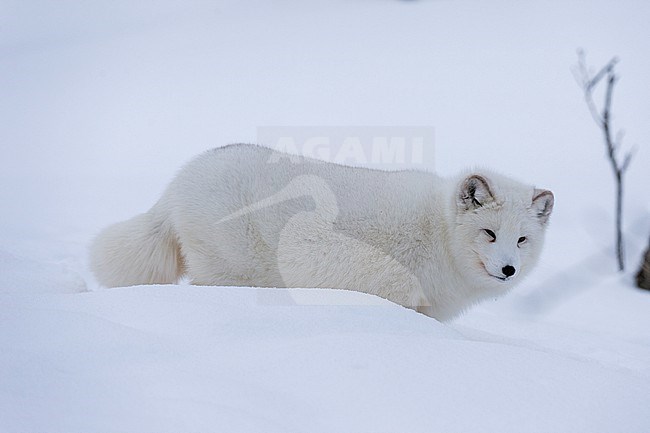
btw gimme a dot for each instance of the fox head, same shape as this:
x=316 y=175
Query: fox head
x=499 y=229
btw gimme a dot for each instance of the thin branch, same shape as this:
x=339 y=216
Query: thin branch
x=592 y=109
x=603 y=120
x=580 y=70
x=581 y=74
x=611 y=81
x=626 y=160
x=607 y=69
x=620 y=134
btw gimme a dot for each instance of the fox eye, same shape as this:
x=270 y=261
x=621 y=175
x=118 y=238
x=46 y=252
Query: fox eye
x=491 y=234
x=521 y=240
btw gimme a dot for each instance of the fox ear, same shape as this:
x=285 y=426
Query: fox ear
x=542 y=204
x=474 y=192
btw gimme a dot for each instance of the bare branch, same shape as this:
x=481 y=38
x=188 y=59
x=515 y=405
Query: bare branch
x=626 y=160
x=619 y=138
x=580 y=70
x=592 y=109
x=603 y=120
x=607 y=69
x=611 y=81
x=587 y=83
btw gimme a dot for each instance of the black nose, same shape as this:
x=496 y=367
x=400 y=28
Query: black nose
x=508 y=271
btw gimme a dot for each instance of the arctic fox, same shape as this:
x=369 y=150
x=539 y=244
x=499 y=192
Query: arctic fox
x=245 y=215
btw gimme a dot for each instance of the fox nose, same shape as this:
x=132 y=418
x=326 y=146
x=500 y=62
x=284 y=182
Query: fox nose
x=508 y=270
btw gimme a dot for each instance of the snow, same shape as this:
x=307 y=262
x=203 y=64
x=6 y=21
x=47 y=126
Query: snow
x=102 y=104
x=22 y=275
x=182 y=358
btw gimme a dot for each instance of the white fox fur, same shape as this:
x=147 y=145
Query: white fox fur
x=245 y=215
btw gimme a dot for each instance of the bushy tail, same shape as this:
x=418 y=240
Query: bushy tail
x=142 y=250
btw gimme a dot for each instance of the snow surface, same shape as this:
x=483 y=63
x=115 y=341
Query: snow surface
x=102 y=102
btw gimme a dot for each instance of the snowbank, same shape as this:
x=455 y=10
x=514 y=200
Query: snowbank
x=196 y=359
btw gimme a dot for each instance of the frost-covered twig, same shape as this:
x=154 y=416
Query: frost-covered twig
x=603 y=120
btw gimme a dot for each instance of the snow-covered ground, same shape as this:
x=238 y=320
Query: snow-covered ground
x=102 y=102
